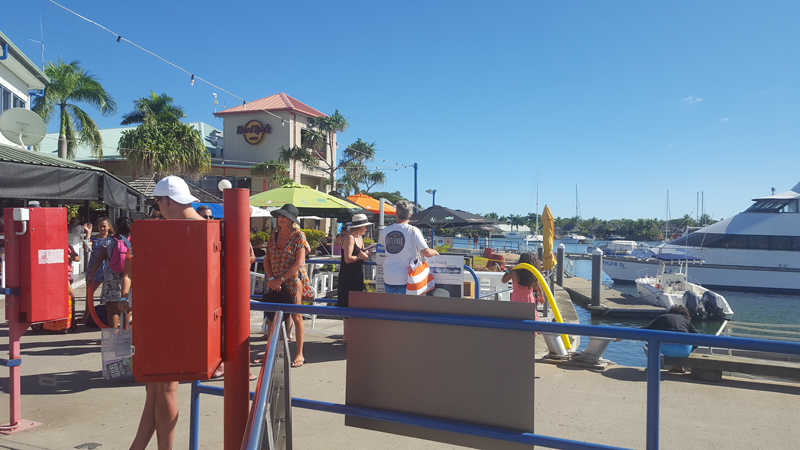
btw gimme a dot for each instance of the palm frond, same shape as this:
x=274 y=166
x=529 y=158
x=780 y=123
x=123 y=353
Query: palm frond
x=87 y=131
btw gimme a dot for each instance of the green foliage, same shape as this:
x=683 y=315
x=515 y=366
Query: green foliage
x=72 y=211
x=357 y=176
x=259 y=237
x=442 y=248
x=165 y=148
x=275 y=171
x=159 y=107
x=315 y=238
x=393 y=197
x=69 y=83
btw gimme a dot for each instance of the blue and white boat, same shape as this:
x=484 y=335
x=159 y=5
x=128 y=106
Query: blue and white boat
x=757 y=249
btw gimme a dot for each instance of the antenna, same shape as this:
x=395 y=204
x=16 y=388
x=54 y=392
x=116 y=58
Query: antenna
x=22 y=126
x=40 y=42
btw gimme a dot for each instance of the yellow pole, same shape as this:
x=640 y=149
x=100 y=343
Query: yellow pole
x=550 y=300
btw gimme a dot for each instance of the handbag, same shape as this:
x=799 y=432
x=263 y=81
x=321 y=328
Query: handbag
x=420 y=279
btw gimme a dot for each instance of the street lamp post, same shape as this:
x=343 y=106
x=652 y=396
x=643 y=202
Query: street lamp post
x=432 y=192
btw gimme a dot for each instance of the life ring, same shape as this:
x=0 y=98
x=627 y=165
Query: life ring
x=90 y=287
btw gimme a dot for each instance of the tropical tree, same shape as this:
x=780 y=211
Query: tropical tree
x=393 y=197
x=295 y=154
x=162 y=148
x=70 y=84
x=158 y=106
x=274 y=171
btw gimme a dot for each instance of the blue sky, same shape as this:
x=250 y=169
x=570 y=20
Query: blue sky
x=624 y=99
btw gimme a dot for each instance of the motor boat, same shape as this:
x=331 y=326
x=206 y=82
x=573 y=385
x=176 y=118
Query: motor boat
x=757 y=249
x=574 y=238
x=534 y=238
x=671 y=288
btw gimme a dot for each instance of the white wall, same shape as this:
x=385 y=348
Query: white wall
x=13 y=83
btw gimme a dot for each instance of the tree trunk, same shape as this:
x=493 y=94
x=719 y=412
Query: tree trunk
x=62 y=138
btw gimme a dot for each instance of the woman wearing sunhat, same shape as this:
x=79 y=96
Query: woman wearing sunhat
x=351 y=274
x=284 y=267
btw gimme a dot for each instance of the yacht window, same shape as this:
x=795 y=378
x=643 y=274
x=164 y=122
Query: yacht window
x=740 y=241
x=774 y=206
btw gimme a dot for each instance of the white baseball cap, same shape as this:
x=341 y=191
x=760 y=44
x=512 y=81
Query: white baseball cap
x=174 y=188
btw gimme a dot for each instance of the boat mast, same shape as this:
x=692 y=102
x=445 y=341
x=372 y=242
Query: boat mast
x=536 y=227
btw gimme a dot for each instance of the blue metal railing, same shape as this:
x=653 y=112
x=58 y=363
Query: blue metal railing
x=254 y=433
x=255 y=422
x=654 y=339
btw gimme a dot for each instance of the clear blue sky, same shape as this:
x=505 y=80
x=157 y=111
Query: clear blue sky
x=624 y=99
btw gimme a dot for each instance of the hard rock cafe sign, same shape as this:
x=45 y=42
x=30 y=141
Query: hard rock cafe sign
x=253 y=131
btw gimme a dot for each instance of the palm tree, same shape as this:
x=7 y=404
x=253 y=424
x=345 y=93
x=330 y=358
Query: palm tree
x=158 y=106
x=294 y=154
x=70 y=83
x=162 y=148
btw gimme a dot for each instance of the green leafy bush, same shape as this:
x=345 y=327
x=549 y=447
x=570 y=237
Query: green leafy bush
x=258 y=238
x=315 y=238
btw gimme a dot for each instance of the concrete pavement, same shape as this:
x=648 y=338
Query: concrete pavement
x=63 y=388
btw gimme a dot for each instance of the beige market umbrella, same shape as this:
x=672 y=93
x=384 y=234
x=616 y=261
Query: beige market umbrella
x=548 y=232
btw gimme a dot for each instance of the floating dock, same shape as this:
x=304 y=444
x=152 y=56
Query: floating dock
x=613 y=303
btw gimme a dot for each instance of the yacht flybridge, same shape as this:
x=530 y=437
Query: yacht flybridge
x=757 y=249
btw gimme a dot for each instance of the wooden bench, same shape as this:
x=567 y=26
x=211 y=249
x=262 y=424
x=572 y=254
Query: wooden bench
x=710 y=367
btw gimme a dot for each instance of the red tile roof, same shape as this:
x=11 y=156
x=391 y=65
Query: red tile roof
x=277 y=102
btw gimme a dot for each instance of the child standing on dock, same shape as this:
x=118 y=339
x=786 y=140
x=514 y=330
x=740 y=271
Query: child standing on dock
x=525 y=288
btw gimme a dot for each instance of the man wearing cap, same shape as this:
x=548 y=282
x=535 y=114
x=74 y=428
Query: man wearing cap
x=398 y=245
x=351 y=274
x=160 y=413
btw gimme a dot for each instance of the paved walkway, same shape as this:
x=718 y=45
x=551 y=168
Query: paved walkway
x=63 y=388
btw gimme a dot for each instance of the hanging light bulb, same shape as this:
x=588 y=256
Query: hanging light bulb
x=191 y=81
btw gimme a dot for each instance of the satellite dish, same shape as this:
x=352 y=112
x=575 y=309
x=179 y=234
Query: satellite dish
x=22 y=126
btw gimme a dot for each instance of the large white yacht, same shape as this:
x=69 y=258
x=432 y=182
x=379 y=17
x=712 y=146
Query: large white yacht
x=757 y=249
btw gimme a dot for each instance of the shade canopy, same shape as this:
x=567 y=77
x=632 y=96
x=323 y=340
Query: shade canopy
x=548 y=231
x=37 y=176
x=372 y=204
x=308 y=201
x=439 y=216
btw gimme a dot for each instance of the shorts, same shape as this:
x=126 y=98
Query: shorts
x=112 y=288
x=282 y=296
x=676 y=350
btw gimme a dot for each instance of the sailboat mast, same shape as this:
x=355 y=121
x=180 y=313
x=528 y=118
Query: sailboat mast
x=536 y=227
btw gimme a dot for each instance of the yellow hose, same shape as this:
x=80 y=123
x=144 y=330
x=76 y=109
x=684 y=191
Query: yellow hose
x=550 y=300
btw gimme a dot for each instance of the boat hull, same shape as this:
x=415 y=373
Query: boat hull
x=713 y=276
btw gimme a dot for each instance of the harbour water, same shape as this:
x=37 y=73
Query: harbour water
x=750 y=307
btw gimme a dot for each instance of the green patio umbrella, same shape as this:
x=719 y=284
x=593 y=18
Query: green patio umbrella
x=308 y=201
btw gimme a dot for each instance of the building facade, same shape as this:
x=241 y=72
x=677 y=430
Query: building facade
x=18 y=77
x=257 y=131
x=252 y=133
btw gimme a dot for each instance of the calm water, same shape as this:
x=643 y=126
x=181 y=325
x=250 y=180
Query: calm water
x=747 y=306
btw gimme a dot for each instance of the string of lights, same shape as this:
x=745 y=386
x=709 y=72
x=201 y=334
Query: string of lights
x=192 y=76
x=382 y=164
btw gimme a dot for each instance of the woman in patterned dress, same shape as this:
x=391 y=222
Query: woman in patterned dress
x=284 y=267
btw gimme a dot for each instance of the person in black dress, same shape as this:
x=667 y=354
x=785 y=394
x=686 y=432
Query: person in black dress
x=351 y=274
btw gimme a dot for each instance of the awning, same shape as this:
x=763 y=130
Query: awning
x=35 y=176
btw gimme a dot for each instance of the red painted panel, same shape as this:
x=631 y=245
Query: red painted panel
x=41 y=254
x=177 y=314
